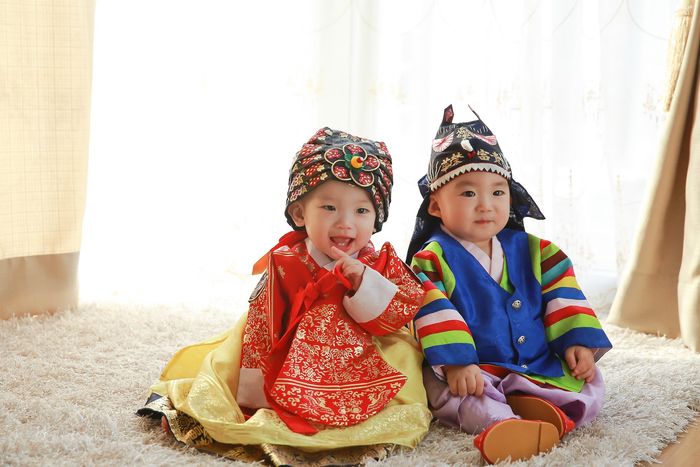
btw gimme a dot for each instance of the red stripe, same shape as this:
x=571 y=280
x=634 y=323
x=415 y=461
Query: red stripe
x=568 y=273
x=565 y=313
x=432 y=257
x=552 y=261
x=544 y=244
x=428 y=285
x=451 y=325
x=433 y=276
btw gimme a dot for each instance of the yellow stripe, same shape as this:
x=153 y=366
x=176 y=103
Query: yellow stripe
x=432 y=295
x=568 y=281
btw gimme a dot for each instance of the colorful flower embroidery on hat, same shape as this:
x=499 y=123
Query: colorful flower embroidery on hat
x=338 y=155
x=353 y=163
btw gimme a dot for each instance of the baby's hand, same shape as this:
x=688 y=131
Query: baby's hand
x=581 y=362
x=351 y=268
x=464 y=380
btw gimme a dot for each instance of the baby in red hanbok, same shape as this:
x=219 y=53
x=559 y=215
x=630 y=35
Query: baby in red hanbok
x=322 y=359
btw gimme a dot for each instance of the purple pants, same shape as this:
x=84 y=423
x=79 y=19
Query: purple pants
x=473 y=414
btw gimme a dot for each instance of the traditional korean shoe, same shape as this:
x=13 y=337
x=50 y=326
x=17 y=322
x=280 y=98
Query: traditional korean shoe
x=517 y=439
x=536 y=408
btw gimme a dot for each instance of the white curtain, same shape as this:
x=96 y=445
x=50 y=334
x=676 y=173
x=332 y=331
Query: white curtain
x=198 y=108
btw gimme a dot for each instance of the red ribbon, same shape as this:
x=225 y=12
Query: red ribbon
x=288 y=239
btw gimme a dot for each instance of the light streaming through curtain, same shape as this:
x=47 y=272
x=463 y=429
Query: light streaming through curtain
x=198 y=108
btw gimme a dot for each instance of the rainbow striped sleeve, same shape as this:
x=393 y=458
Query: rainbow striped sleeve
x=438 y=326
x=568 y=317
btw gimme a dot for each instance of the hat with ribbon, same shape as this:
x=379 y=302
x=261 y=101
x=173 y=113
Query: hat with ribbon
x=459 y=148
x=337 y=155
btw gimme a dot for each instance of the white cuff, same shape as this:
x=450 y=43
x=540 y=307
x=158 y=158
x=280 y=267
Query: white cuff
x=372 y=298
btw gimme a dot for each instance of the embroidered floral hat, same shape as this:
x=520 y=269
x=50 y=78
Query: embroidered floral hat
x=337 y=155
x=459 y=148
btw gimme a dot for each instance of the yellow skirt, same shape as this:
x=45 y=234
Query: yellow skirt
x=201 y=381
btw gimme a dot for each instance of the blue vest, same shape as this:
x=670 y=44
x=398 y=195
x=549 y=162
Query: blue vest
x=508 y=329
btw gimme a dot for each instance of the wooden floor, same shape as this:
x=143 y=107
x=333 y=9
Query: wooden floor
x=684 y=453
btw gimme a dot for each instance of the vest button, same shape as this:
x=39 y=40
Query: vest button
x=517 y=304
x=521 y=340
x=523 y=366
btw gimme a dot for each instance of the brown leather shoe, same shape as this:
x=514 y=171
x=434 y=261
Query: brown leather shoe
x=517 y=439
x=536 y=408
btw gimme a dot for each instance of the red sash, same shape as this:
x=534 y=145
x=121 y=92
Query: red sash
x=320 y=401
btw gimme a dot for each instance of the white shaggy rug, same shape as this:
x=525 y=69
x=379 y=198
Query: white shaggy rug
x=70 y=384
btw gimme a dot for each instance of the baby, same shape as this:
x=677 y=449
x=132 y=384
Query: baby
x=508 y=336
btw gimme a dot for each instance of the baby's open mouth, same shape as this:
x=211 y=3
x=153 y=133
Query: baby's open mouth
x=341 y=242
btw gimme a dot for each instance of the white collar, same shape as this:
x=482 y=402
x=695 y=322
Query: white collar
x=320 y=257
x=492 y=265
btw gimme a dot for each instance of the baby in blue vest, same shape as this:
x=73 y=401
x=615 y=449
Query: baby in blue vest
x=510 y=341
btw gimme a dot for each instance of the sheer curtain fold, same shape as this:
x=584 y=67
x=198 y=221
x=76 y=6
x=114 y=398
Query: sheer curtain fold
x=45 y=82
x=660 y=290
x=187 y=121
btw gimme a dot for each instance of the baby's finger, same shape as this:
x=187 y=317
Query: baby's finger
x=471 y=385
x=463 y=387
x=337 y=253
x=453 y=387
x=479 y=387
x=341 y=275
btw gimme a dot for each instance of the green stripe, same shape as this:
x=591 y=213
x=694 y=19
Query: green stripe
x=567 y=381
x=446 y=337
x=505 y=280
x=567 y=324
x=535 y=256
x=549 y=251
x=423 y=264
x=448 y=278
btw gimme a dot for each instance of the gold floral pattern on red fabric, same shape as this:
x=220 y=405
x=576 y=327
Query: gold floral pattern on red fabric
x=332 y=373
x=256 y=337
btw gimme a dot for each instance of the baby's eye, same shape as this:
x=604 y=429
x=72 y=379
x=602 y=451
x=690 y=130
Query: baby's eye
x=328 y=207
x=362 y=210
x=468 y=194
x=499 y=193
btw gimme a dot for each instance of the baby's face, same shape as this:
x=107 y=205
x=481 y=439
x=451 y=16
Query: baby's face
x=336 y=214
x=474 y=206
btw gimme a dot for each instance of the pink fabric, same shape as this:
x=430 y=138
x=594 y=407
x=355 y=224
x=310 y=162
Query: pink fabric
x=473 y=414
